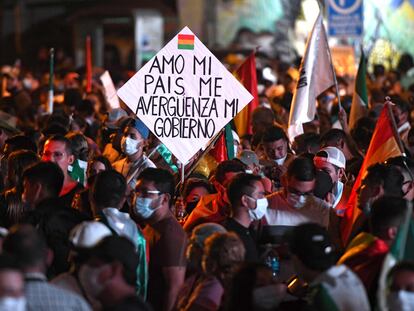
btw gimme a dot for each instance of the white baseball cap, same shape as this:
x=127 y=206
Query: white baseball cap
x=88 y=233
x=333 y=156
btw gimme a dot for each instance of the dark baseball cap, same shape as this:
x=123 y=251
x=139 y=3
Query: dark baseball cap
x=311 y=244
x=116 y=248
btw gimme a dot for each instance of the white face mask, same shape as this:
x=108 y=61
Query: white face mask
x=401 y=301
x=129 y=146
x=142 y=207
x=260 y=210
x=295 y=200
x=13 y=303
x=265 y=298
x=338 y=192
x=88 y=277
x=281 y=160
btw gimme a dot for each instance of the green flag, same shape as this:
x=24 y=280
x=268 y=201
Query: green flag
x=402 y=249
x=359 y=105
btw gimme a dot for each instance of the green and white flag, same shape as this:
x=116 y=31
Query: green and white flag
x=401 y=249
x=359 y=104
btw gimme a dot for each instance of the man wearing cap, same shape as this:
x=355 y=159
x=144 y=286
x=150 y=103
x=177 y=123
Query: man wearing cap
x=331 y=287
x=83 y=238
x=250 y=159
x=109 y=274
x=132 y=145
x=332 y=161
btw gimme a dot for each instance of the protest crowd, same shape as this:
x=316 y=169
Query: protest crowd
x=97 y=214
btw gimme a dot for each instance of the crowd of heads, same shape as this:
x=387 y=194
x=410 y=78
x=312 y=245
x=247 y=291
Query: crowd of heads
x=95 y=213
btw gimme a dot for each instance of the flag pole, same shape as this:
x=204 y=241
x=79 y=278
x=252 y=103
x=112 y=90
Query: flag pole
x=388 y=102
x=88 y=62
x=320 y=3
x=182 y=173
x=50 y=100
x=335 y=80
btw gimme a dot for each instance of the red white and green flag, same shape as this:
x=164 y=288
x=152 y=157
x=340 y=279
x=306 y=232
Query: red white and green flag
x=359 y=105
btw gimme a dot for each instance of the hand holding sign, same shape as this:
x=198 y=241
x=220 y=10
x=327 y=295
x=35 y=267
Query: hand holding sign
x=184 y=95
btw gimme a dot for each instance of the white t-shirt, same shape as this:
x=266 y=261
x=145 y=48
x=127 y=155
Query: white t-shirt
x=131 y=170
x=281 y=213
x=338 y=288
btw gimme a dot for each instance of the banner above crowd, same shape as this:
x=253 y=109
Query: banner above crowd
x=184 y=95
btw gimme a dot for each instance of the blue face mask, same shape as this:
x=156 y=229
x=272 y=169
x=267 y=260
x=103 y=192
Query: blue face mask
x=142 y=207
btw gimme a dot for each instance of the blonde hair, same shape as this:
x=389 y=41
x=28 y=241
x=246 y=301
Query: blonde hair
x=221 y=252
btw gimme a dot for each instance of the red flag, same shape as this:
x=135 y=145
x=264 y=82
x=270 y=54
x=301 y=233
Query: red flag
x=384 y=145
x=247 y=76
x=88 y=56
x=219 y=152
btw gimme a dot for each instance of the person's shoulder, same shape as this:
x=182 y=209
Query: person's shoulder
x=148 y=162
x=170 y=229
x=210 y=287
x=130 y=303
x=275 y=198
x=118 y=163
x=63 y=278
x=318 y=203
x=60 y=296
x=230 y=224
x=289 y=158
x=66 y=281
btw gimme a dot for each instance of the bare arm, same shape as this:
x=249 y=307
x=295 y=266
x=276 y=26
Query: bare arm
x=174 y=280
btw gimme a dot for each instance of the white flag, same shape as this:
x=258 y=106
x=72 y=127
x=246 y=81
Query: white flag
x=316 y=76
x=110 y=91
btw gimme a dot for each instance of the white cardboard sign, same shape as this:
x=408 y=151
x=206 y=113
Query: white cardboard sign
x=184 y=95
x=110 y=91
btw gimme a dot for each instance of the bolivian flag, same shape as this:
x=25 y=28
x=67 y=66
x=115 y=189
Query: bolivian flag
x=384 y=145
x=186 y=42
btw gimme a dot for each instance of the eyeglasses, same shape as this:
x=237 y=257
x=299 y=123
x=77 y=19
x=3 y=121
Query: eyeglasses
x=292 y=190
x=54 y=154
x=146 y=193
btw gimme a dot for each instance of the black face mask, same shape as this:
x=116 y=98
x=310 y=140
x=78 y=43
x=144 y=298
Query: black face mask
x=323 y=184
x=190 y=206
